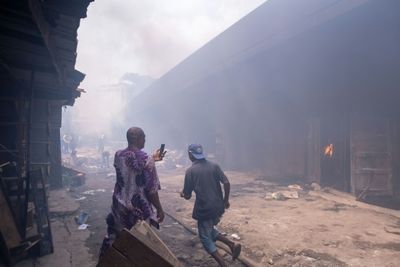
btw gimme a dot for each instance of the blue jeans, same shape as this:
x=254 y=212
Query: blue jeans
x=208 y=234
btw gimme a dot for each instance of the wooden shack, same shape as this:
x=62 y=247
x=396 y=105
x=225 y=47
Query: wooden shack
x=38 y=41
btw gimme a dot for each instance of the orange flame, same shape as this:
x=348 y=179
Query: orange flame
x=328 y=150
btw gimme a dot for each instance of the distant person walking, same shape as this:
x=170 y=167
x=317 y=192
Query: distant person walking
x=135 y=194
x=205 y=178
x=101 y=143
x=67 y=143
x=105 y=159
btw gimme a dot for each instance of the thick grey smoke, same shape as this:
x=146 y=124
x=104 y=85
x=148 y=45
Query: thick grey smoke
x=149 y=37
x=101 y=111
x=143 y=37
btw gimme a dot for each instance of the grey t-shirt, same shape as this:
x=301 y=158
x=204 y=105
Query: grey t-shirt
x=205 y=178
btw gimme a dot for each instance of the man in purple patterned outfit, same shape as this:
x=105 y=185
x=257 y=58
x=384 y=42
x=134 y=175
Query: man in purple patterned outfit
x=136 y=189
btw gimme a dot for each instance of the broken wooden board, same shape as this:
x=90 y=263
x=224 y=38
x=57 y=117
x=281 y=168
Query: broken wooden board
x=139 y=247
x=8 y=227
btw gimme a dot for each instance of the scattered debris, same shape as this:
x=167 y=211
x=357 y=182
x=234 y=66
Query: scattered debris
x=269 y=196
x=315 y=187
x=336 y=207
x=93 y=191
x=77 y=160
x=72 y=177
x=81 y=218
x=282 y=195
x=83 y=226
x=92 y=167
x=110 y=175
x=235 y=236
x=295 y=187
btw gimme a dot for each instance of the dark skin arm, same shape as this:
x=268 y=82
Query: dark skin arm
x=227 y=190
x=155 y=200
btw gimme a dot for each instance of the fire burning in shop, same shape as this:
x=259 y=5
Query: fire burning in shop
x=328 y=150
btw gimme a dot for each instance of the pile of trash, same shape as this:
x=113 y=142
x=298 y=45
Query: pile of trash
x=72 y=178
x=89 y=160
x=173 y=159
x=291 y=192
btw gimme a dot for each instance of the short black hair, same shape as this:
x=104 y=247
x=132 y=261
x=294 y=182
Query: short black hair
x=133 y=133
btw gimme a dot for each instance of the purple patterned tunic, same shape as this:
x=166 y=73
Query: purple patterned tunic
x=136 y=178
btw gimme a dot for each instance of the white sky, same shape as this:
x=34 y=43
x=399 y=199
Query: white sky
x=149 y=37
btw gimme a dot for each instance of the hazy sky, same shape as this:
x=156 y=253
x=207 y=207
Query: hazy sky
x=149 y=37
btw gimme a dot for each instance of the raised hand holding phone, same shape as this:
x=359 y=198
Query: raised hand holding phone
x=159 y=153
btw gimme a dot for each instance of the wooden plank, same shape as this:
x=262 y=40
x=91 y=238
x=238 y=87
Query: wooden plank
x=25 y=60
x=22 y=42
x=140 y=247
x=113 y=258
x=145 y=234
x=8 y=228
x=138 y=252
x=45 y=30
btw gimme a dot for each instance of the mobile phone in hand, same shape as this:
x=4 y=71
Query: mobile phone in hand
x=162 y=147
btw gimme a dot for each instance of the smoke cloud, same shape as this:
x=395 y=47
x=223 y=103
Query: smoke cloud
x=125 y=45
x=149 y=37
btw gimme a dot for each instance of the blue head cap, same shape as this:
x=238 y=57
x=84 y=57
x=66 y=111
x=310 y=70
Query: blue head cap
x=196 y=150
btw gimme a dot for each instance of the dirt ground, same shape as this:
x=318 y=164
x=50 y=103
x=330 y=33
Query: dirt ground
x=313 y=230
x=319 y=228
x=182 y=243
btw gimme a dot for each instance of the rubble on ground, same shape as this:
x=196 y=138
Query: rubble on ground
x=71 y=177
x=173 y=159
x=291 y=192
x=315 y=187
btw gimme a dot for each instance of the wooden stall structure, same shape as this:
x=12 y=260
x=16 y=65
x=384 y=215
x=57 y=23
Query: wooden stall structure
x=38 y=41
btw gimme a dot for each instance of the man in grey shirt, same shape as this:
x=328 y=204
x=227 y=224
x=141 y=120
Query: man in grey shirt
x=205 y=178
